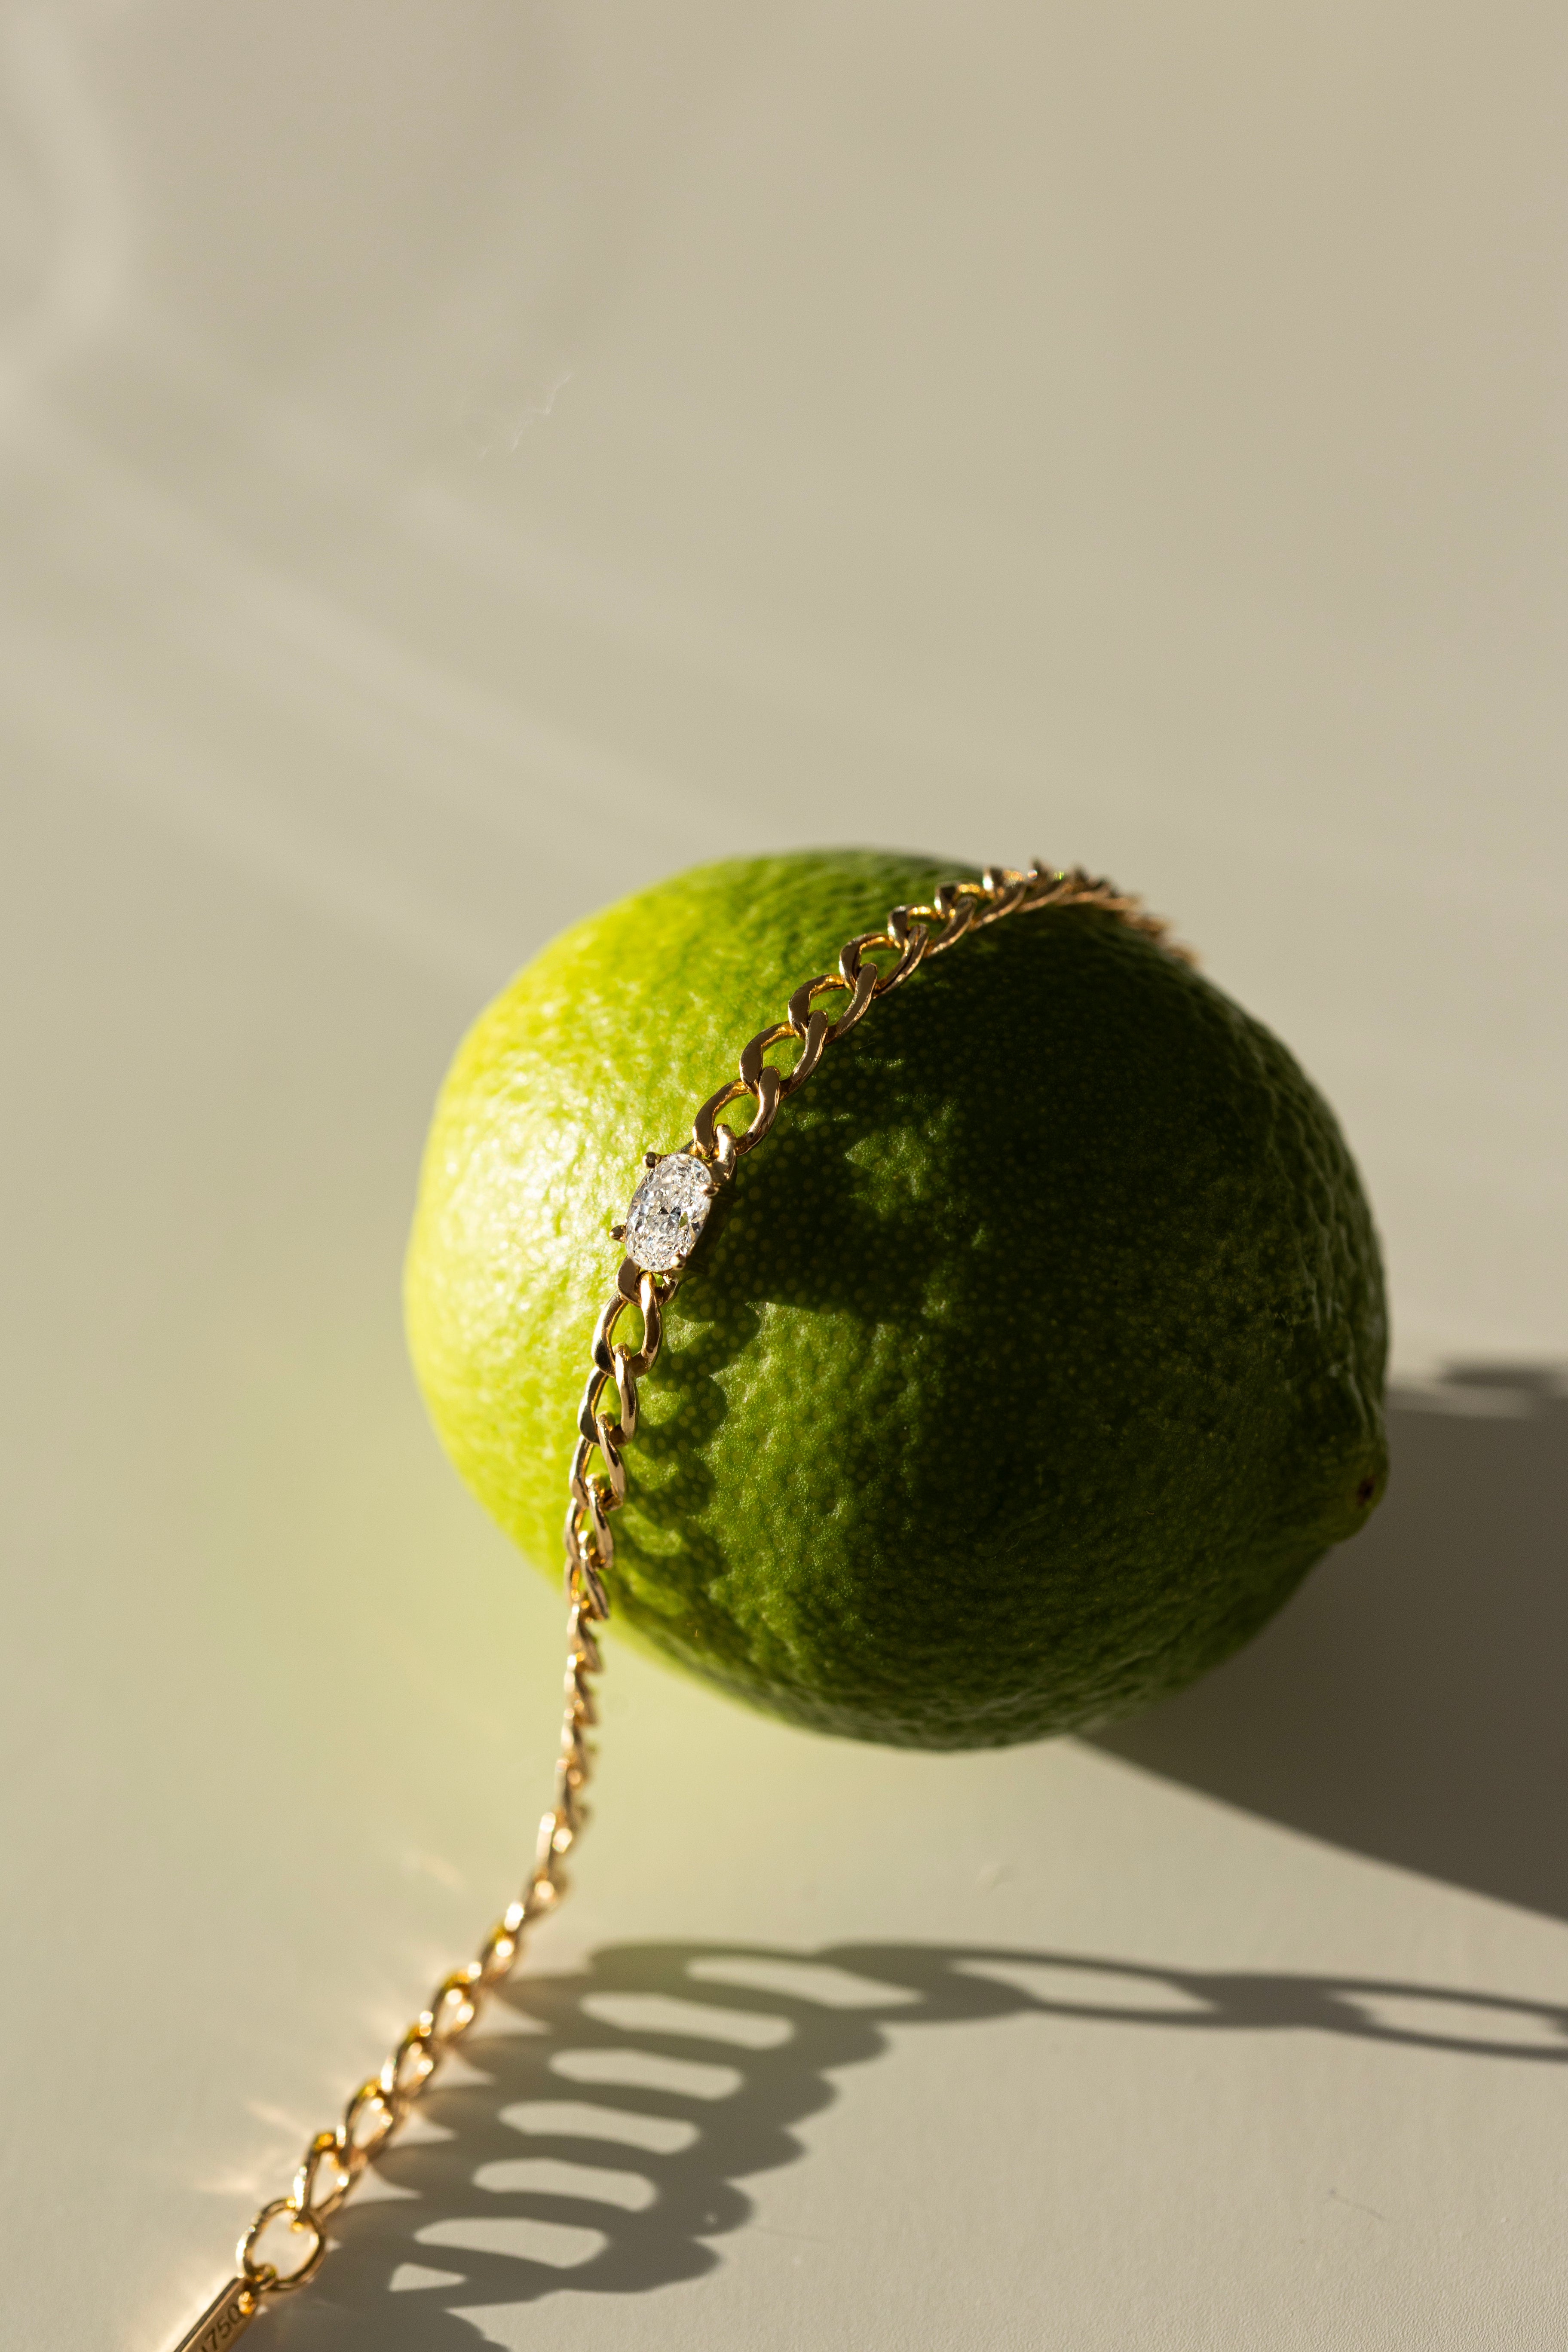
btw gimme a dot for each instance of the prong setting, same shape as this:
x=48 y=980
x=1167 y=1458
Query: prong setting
x=668 y=1211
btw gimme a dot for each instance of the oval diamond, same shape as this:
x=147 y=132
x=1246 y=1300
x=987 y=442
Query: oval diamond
x=669 y=1209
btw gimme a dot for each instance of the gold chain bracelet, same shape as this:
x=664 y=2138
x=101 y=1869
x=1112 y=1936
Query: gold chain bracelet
x=665 y=1217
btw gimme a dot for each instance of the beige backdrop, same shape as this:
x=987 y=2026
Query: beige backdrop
x=459 y=461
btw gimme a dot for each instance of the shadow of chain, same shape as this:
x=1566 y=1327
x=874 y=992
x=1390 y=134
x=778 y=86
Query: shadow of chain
x=622 y=2105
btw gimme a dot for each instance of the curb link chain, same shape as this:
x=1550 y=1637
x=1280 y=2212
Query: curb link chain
x=334 y=2159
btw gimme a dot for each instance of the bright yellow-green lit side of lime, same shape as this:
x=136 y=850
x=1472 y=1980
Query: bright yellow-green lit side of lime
x=1022 y=1372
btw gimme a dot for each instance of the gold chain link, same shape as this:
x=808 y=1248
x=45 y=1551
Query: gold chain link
x=334 y=2159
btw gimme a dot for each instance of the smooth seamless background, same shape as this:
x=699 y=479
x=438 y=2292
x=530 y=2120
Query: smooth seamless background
x=458 y=462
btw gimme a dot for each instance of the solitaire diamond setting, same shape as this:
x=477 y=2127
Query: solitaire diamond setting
x=668 y=1211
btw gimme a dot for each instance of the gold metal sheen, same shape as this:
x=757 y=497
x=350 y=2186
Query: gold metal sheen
x=224 y=2321
x=296 y=2226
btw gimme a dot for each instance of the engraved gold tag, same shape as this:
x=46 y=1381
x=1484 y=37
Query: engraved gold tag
x=224 y=2321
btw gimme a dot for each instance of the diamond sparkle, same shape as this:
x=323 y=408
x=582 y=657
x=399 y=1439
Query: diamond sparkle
x=669 y=1209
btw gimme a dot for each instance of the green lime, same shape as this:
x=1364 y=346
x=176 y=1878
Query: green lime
x=1021 y=1373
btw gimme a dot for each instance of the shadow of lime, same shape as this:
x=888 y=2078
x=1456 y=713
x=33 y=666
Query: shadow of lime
x=1407 y=1702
